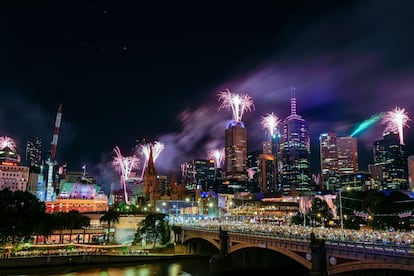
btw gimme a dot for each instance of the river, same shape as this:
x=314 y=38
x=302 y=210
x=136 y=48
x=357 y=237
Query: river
x=182 y=267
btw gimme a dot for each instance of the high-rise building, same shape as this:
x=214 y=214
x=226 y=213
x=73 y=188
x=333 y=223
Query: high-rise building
x=411 y=172
x=267 y=175
x=328 y=146
x=198 y=174
x=295 y=153
x=339 y=156
x=13 y=176
x=236 y=155
x=391 y=156
x=34 y=152
x=347 y=155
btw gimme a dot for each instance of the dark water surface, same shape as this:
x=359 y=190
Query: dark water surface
x=181 y=267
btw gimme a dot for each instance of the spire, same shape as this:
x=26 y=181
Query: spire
x=150 y=159
x=292 y=102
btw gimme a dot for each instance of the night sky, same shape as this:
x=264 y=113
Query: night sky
x=125 y=71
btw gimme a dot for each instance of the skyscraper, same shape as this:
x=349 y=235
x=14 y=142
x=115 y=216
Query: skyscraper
x=295 y=152
x=328 y=146
x=347 y=155
x=236 y=154
x=411 y=172
x=198 y=172
x=34 y=152
x=391 y=157
x=339 y=156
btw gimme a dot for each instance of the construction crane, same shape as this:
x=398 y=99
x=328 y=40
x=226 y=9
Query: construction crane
x=51 y=159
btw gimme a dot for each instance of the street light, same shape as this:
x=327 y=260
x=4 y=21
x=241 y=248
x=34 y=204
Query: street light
x=340 y=210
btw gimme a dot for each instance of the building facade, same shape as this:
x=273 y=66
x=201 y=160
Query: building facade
x=391 y=158
x=339 y=156
x=295 y=153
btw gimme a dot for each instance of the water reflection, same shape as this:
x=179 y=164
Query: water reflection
x=187 y=267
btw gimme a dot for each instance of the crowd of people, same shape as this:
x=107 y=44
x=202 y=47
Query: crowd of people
x=289 y=230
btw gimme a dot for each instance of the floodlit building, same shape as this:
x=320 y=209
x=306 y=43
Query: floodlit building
x=295 y=153
x=391 y=157
x=13 y=176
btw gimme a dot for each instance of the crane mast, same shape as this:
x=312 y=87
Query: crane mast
x=51 y=162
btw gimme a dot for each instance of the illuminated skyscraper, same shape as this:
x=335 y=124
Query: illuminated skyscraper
x=339 y=156
x=34 y=152
x=411 y=172
x=199 y=172
x=236 y=154
x=391 y=157
x=347 y=155
x=295 y=153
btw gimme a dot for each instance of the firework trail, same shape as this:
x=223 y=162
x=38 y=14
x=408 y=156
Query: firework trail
x=8 y=142
x=217 y=155
x=396 y=120
x=367 y=123
x=236 y=102
x=157 y=148
x=270 y=122
x=124 y=165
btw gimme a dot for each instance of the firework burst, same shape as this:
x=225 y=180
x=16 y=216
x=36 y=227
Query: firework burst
x=217 y=155
x=236 y=102
x=396 y=120
x=157 y=147
x=8 y=142
x=124 y=165
x=270 y=122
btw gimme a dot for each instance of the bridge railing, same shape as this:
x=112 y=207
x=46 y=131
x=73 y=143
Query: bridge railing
x=373 y=247
x=256 y=234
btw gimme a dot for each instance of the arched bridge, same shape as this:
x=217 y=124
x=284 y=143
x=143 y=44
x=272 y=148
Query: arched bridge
x=324 y=257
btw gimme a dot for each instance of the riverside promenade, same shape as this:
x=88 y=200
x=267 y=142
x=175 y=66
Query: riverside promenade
x=86 y=255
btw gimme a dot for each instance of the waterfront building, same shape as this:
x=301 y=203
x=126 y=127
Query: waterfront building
x=81 y=196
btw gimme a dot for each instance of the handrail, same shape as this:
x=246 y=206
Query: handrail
x=389 y=248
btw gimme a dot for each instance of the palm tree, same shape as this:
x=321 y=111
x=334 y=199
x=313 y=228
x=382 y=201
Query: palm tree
x=110 y=216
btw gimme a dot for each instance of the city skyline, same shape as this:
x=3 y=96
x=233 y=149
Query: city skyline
x=115 y=91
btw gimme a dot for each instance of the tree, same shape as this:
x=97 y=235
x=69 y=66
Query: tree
x=154 y=227
x=76 y=220
x=320 y=211
x=110 y=216
x=20 y=214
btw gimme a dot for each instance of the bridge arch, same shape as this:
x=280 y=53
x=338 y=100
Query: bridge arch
x=367 y=265
x=215 y=243
x=296 y=257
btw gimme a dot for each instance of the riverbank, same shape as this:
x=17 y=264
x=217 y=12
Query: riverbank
x=87 y=259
